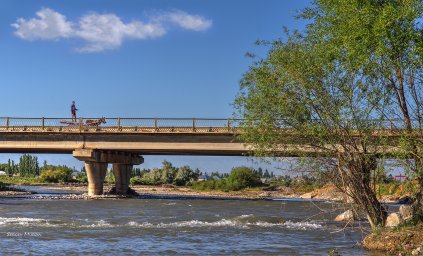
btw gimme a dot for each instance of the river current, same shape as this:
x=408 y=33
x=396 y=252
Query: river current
x=172 y=226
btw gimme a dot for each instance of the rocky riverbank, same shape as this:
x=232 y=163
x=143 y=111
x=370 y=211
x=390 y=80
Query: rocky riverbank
x=77 y=191
x=406 y=240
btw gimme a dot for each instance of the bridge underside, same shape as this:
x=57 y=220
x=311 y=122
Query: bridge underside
x=124 y=150
x=145 y=144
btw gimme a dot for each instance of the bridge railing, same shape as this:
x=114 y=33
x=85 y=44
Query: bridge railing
x=120 y=124
x=149 y=124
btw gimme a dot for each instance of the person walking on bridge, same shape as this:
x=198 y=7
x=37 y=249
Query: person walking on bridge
x=73 y=111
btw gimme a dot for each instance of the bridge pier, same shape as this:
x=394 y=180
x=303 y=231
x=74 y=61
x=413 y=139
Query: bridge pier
x=96 y=172
x=96 y=162
x=122 y=174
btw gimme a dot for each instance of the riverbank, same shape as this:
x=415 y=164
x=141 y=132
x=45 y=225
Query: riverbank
x=328 y=192
x=75 y=190
x=394 y=192
x=405 y=240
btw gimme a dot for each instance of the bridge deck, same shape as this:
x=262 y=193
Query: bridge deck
x=142 y=135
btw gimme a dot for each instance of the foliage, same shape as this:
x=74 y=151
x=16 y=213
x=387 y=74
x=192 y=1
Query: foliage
x=239 y=178
x=110 y=177
x=242 y=177
x=136 y=181
x=168 y=174
x=335 y=85
x=184 y=175
x=29 y=166
x=384 y=41
x=21 y=180
x=212 y=184
x=60 y=173
x=81 y=176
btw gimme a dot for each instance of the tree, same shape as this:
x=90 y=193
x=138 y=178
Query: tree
x=242 y=177
x=328 y=89
x=152 y=177
x=59 y=173
x=184 y=175
x=260 y=172
x=383 y=41
x=28 y=166
x=168 y=173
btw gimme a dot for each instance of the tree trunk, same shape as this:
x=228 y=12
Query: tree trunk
x=418 y=204
x=356 y=170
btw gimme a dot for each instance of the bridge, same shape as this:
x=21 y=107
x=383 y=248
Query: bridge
x=119 y=141
x=123 y=141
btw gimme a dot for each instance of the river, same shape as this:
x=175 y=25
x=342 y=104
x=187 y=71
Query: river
x=172 y=226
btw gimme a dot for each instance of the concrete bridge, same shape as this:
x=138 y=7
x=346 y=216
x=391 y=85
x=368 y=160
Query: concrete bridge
x=119 y=141
x=123 y=141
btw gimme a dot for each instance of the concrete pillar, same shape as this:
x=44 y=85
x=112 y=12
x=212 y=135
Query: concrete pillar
x=96 y=172
x=122 y=174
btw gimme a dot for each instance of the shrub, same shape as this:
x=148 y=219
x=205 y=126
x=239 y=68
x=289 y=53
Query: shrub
x=110 y=177
x=136 y=181
x=152 y=178
x=56 y=174
x=242 y=177
x=184 y=175
x=211 y=185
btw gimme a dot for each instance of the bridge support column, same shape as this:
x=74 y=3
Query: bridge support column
x=96 y=166
x=96 y=172
x=122 y=174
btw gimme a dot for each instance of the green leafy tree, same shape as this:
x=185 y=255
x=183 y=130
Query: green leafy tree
x=242 y=177
x=28 y=166
x=152 y=177
x=260 y=172
x=59 y=173
x=184 y=175
x=383 y=41
x=168 y=173
x=332 y=87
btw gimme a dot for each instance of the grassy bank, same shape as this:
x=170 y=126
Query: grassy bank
x=21 y=180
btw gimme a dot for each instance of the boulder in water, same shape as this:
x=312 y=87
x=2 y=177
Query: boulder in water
x=309 y=195
x=394 y=219
x=346 y=216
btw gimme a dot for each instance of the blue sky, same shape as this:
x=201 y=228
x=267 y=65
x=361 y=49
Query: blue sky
x=133 y=58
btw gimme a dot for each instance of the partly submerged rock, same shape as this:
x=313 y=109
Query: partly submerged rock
x=309 y=195
x=394 y=219
x=346 y=216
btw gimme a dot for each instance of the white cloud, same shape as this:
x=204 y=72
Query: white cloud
x=49 y=25
x=103 y=31
x=188 y=21
x=107 y=31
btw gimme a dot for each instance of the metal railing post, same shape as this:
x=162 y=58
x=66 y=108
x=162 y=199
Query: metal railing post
x=156 y=128
x=42 y=123
x=229 y=124
x=193 y=124
x=118 y=124
x=7 y=123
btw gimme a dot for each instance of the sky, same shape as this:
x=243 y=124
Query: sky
x=134 y=58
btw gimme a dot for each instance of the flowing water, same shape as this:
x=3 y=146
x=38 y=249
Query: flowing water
x=172 y=226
